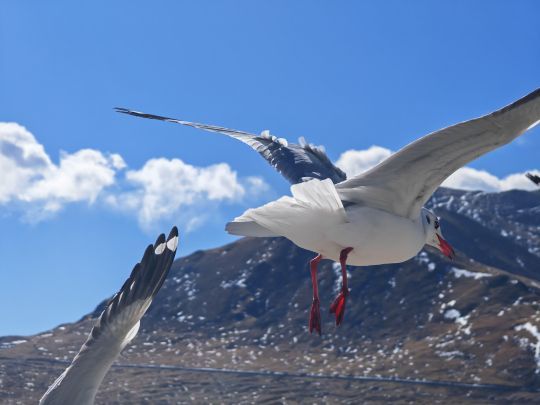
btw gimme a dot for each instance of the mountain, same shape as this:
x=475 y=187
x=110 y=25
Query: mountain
x=424 y=331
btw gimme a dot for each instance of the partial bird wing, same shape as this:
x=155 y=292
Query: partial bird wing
x=534 y=178
x=403 y=183
x=116 y=327
x=297 y=163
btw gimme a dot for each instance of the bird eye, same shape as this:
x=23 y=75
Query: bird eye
x=428 y=220
x=436 y=224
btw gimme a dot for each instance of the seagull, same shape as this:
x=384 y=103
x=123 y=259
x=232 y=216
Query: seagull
x=376 y=217
x=115 y=328
x=534 y=178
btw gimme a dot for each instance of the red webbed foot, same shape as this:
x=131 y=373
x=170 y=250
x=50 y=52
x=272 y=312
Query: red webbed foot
x=338 y=306
x=315 y=317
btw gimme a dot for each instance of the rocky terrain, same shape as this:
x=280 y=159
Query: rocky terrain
x=230 y=324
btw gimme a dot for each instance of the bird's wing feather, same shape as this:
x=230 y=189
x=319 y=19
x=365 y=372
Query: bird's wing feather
x=116 y=327
x=312 y=202
x=534 y=178
x=297 y=163
x=402 y=183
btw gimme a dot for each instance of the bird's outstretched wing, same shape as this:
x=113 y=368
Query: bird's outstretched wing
x=296 y=163
x=116 y=327
x=403 y=183
x=534 y=178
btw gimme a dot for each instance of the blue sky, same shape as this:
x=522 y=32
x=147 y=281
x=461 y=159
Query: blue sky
x=348 y=75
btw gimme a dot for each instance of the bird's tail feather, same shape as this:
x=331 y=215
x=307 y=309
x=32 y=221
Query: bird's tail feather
x=248 y=228
x=313 y=202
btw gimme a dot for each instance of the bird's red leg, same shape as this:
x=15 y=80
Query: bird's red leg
x=315 y=314
x=338 y=306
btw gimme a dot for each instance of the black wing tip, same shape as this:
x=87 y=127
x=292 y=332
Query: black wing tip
x=172 y=239
x=160 y=239
x=173 y=232
x=143 y=115
x=534 y=178
x=170 y=243
x=531 y=96
x=144 y=282
x=523 y=100
x=127 y=111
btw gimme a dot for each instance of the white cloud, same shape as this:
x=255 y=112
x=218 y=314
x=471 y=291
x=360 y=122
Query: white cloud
x=354 y=162
x=161 y=189
x=30 y=178
x=80 y=176
x=165 y=188
x=21 y=159
x=255 y=185
x=468 y=178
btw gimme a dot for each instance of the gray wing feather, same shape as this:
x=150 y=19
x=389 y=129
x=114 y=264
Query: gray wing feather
x=116 y=327
x=296 y=163
x=403 y=183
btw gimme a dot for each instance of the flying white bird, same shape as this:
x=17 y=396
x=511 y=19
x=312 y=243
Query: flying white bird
x=116 y=327
x=376 y=217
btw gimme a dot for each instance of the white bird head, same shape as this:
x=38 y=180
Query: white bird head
x=433 y=232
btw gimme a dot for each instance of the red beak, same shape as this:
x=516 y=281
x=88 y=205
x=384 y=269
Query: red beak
x=445 y=247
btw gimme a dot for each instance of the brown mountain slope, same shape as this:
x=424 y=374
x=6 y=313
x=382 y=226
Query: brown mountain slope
x=245 y=307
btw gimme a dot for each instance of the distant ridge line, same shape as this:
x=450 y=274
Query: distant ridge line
x=281 y=374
